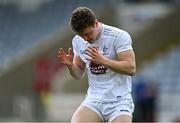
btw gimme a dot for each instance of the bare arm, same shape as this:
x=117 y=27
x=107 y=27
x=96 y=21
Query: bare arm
x=124 y=65
x=77 y=69
x=75 y=65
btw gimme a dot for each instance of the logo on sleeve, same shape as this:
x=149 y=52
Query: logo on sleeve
x=83 y=51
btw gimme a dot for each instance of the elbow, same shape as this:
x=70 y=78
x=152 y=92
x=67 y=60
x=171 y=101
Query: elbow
x=132 y=71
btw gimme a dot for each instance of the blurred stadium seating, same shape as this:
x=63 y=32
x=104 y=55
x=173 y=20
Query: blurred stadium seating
x=21 y=30
x=163 y=71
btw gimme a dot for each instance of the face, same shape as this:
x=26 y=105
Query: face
x=90 y=33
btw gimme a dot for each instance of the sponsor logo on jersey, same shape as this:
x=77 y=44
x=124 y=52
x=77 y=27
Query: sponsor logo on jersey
x=97 y=69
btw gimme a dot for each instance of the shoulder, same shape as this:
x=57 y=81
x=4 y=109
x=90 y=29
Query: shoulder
x=119 y=36
x=76 y=39
x=113 y=31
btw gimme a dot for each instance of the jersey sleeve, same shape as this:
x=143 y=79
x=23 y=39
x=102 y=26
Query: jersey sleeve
x=123 y=42
x=75 y=46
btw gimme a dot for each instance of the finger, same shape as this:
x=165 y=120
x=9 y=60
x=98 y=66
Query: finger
x=60 y=54
x=62 y=51
x=70 y=52
x=93 y=49
x=61 y=60
x=90 y=52
x=96 y=48
x=61 y=57
x=90 y=55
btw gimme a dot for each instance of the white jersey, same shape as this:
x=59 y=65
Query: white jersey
x=104 y=84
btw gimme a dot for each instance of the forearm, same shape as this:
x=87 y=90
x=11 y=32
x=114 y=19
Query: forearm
x=76 y=71
x=121 y=67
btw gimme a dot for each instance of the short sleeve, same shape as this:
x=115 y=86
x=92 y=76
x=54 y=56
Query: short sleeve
x=75 y=46
x=123 y=42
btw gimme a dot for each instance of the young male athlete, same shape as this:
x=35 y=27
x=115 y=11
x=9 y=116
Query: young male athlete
x=107 y=55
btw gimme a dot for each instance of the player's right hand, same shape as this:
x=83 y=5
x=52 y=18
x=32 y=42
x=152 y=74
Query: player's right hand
x=66 y=59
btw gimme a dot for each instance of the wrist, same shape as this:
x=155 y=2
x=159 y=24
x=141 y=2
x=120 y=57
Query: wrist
x=104 y=61
x=70 y=66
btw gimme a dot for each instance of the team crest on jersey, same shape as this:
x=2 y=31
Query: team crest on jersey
x=97 y=69
x=105 y=49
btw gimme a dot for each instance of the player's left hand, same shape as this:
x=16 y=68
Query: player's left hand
x=95 y=55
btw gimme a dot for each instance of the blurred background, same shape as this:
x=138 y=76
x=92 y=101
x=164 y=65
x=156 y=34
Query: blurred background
x=34 y=86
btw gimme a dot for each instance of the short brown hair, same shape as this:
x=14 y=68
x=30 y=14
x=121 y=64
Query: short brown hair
x=81 y=18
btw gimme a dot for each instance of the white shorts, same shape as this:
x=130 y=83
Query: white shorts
x=108 y=111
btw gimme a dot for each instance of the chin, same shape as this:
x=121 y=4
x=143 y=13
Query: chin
x=91 y=41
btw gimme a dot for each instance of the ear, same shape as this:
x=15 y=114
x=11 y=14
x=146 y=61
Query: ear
x=96 y=23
